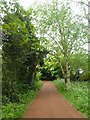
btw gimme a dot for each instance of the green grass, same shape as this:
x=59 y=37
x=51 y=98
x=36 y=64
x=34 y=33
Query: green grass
x=77 y=94
x=16 y=110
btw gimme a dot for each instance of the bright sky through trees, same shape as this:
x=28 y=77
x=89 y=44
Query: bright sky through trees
x=75 y=6
x=27 y=3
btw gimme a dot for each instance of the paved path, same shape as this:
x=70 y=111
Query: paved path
x=50 y=104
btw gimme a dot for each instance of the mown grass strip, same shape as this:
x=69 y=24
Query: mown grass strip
x=77 y=94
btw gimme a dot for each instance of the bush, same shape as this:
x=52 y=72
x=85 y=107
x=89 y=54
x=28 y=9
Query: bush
x=35 y=85
x=38 y=75
x=84 y=77
x=16 y=110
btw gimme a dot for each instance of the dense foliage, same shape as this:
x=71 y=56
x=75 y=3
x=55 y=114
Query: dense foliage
x=20 y=50
x=21 y=53
x=16 y=110
x=58 y=52
x=66 y=34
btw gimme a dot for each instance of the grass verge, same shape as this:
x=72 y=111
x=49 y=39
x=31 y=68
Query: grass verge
x=16 y=110
x=77 y=95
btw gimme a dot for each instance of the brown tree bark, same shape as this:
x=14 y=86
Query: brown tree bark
x=67 y=75
x=62 y=70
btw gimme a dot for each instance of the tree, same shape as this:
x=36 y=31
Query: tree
x=79 y=66
x=65 y=33
x=21 y=49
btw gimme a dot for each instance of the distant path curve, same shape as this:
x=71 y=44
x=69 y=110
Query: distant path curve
x=50 y=104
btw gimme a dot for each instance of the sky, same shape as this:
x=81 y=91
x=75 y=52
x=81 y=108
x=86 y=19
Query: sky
x=27 y=3
x=75 y=6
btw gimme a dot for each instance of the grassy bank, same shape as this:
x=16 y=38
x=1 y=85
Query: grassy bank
x=16 y=110
x=77 y=94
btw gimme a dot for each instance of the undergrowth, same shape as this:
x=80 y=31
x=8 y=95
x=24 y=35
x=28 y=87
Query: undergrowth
x=77 y=94
x=17 y=109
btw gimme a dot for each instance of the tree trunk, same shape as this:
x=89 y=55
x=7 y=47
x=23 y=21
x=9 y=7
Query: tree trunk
x=62 y=70
x=67 y=76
